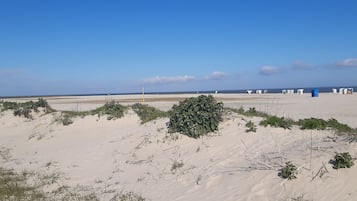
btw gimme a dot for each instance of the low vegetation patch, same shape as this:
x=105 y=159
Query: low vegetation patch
x=251 y=112
x=342 y=160
x=25 y=109
x=312 y=124
x=127 y=196
x=195 y=117
x=304 y=124
x=112 y=109
x=14 y=186
x=148 y=113
x=279 y=122
x=29 y=186
x=321 y=124
x=289 y=171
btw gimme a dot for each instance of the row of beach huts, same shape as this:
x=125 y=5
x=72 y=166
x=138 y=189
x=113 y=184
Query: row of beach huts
x=342 y=91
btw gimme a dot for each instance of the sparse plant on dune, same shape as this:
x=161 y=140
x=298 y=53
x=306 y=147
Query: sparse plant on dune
x=251 y=127
x=176 y=165
x=289 y=171
x=279 y=122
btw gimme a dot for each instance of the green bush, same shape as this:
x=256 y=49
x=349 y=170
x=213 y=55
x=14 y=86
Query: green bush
x=251 y=127
x=343 y=160
x=195 y=117
x=147 y=113
x=289 y=171
x=275 y=121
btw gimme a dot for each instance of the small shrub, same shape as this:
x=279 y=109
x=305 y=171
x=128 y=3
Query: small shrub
x=147 y=113
x=251 y=127
x=195 y=117
x=343 y=160
x=289 y=171
x=275 y=121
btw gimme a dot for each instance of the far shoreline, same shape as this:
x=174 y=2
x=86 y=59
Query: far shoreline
x=226 y=91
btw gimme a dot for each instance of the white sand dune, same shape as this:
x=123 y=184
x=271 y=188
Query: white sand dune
x=229 y=165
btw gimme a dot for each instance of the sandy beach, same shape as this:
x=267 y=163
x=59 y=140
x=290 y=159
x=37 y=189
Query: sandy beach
x=109 y=156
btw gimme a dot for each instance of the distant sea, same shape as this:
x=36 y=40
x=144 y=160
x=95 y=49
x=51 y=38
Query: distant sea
x=234 y=91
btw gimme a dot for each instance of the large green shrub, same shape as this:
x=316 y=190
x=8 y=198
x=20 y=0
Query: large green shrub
x=197 y=116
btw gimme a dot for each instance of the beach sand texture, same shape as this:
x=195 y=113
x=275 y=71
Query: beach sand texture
x=229 y=165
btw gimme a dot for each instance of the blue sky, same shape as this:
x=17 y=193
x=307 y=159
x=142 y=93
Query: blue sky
x=85 y=46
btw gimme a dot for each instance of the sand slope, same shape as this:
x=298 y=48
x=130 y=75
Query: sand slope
x=228 y=165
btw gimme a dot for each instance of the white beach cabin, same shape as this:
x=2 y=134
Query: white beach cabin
x=300 y=91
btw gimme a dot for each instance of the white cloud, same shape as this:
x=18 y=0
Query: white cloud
x=269 y=70
x=216 y=76
x=351 y=62
x=168 y=79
